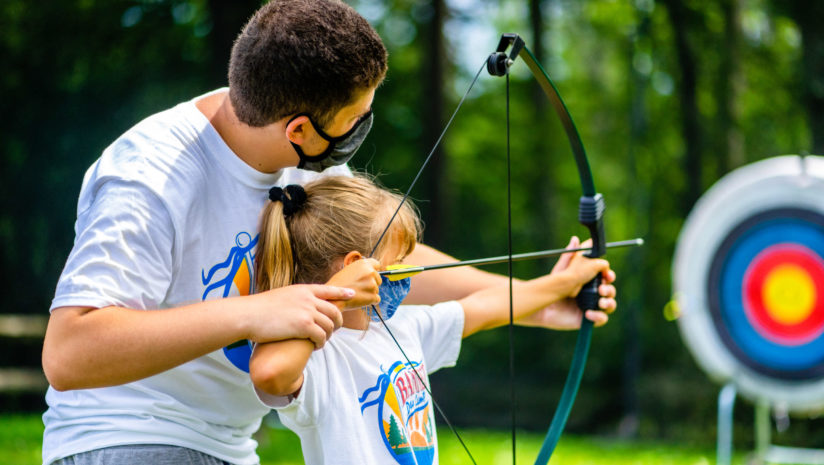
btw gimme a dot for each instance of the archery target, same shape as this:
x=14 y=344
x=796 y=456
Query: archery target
x=749 y=277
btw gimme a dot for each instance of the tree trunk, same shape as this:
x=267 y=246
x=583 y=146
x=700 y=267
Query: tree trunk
x=228 y=18
x=543 y=183
x=433 y=71
x=729 y=88
x=808 y=17
x=690 y=125
x=639 y=198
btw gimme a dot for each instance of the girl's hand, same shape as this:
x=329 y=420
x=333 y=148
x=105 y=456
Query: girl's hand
x=565 y=314
x=362 y=277
x=576 y=269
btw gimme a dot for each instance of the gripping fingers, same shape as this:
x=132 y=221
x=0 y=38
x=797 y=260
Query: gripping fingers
x=598 y=318
x=606 y=290
x=317 y=335
x=607 y=304
x=328 y=312
x=607 y=300
x=588 y=297
x=326 y=319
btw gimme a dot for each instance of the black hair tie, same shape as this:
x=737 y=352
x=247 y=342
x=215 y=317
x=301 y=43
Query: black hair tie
x=293 y=197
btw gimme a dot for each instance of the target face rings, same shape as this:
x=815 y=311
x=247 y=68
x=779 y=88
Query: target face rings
x=749 y=273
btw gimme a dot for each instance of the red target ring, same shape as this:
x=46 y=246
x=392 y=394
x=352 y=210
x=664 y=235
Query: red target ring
x=781 y=294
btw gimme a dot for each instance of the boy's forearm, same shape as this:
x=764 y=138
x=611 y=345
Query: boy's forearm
x=87 y=348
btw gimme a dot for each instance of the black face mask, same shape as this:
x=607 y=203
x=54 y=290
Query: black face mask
x=340 y=149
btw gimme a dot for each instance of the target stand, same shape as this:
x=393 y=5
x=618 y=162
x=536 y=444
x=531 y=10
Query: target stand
x=748 y=277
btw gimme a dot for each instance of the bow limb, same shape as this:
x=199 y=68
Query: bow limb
x=590 y=214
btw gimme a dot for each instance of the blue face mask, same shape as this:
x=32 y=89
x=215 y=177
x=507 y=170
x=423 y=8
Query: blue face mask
x=392 y=294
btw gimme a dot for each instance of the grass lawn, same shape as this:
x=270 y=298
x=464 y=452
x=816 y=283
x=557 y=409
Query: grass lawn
x=279 y=447
x=20 y=437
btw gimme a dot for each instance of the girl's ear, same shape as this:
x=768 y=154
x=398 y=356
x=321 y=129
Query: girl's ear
x=352 y=257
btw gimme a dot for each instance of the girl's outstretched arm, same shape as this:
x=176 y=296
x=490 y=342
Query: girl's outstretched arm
x=489 y=308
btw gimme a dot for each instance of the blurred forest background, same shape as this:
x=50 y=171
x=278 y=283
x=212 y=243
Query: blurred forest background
x=668 y=96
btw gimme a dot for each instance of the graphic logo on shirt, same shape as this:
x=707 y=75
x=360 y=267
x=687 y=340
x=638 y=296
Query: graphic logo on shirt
x=239 y=266
x=400 y=405
x=236 y=272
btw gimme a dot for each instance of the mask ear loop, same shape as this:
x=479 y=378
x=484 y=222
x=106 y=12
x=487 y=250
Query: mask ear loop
x=311 y=158
x=348 y=133
x=331 y=141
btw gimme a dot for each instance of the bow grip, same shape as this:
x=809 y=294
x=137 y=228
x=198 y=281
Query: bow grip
x=590 y=214
x=587 y=298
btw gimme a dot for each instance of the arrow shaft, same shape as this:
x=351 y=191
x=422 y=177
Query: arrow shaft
x=506 y=258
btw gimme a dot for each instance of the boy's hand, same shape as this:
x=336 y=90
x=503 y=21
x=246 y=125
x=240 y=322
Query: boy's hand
x=299 y=311
x=362 y=277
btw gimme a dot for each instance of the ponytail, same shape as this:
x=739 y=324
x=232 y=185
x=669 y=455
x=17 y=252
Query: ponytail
x=274 y=261
x=306 y=231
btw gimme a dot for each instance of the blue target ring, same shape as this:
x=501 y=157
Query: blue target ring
x=804 y=229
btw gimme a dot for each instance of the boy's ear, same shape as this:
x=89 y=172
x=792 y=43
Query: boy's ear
x=352 y=257
x=296 y=130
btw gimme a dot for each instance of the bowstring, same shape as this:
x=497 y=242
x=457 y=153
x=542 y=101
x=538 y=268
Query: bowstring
x=426 y=161
x=511 y=310
x=383 y=234
x=425 y=386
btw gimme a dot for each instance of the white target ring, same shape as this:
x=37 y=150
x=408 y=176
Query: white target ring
x=748 y=274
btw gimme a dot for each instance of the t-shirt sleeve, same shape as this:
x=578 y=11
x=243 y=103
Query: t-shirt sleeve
x=303 y=410
x=440 y=329
x=122 y=253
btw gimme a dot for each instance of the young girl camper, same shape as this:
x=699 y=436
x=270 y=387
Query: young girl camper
x=361 y=399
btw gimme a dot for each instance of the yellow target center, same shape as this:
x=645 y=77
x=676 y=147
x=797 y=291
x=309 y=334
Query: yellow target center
x=789 y=294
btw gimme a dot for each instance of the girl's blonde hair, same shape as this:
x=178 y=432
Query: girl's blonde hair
x=341 y=214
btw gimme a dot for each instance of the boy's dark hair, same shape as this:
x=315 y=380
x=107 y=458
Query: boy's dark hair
x=295 y=56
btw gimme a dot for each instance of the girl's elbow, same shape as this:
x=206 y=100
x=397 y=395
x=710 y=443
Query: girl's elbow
x=58 y=373
x=272 y=381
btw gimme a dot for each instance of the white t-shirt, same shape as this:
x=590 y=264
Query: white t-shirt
x=361 y=402
x=167 y=216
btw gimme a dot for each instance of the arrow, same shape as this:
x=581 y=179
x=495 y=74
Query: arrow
x=400 y=271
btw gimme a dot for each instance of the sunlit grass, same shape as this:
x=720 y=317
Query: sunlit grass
x=20 y=440
x=280 y=447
